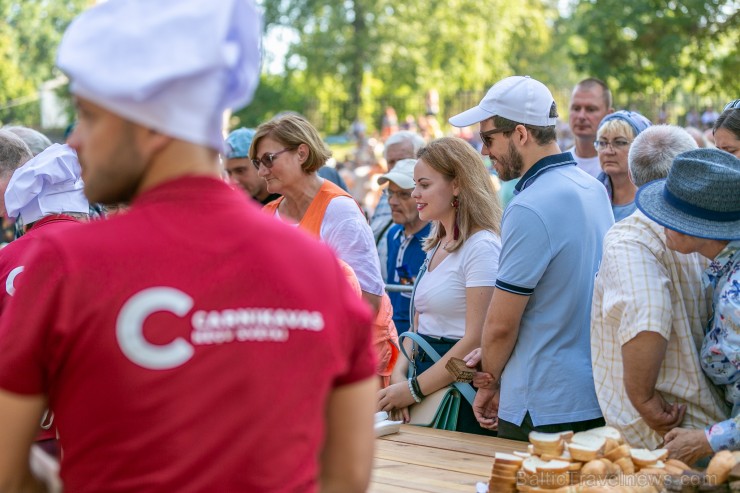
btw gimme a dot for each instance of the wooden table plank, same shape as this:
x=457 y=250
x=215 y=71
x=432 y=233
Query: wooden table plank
x=474 y=444
x=419 y=459
x=389 y=476
x=433 y=457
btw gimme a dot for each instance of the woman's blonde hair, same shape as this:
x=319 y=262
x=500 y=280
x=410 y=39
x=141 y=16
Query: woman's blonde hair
x=292 y=130
x=618 y=126
x=478 y=203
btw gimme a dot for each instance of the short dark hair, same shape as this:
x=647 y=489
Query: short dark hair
x=594 y=82
x=729 y=120
x=542 y=135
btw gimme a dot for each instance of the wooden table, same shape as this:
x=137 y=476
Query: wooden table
x=423 y=459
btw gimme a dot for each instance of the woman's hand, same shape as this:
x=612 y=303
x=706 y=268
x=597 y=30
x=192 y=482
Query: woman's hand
x=687 y=445
x=400 y=415
x=472 y=359
x=395 y=397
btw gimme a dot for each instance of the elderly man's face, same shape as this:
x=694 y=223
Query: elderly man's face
x=106 y=145
x=396 y=152
x=403 y=206
x=242 y=173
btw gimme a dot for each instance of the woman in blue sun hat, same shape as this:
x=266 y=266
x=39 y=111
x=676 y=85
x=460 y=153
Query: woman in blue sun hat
x=614 y=138
x=699 y=207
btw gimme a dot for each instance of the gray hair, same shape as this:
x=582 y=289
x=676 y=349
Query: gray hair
x=13 y=153
x=36 y=141
x=698 y=136
x=416 y=141
x=653 y=151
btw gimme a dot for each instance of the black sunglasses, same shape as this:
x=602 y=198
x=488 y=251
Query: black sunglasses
x=485 y=137
x=267 y=158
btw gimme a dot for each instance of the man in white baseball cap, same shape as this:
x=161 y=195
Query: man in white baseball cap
x=177 y=358
x=535 y=342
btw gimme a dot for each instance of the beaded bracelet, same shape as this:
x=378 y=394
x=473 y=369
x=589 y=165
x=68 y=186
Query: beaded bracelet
x=417 y=388
x=417 y=399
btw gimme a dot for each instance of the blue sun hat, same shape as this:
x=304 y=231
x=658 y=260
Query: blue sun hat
x=635 y=120
x=700 y=197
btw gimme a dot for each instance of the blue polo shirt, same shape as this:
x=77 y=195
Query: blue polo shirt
x=552 y=234
x=405 y=256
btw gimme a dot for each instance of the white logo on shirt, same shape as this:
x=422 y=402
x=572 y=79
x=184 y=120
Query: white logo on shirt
x=130 y=328
x=209 y=327
x=9 y=287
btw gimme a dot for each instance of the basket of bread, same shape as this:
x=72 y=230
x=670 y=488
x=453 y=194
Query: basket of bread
x=599 y=461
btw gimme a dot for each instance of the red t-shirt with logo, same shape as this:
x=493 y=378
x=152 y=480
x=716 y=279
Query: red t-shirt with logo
x=189 y=345
x=12 y=265
x=11 y=256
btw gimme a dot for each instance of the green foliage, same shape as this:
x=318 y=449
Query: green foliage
x=659 y=46
x=30 y=31
x=380 y=50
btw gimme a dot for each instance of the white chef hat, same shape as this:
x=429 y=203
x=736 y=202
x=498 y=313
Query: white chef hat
x=49 y=183
x=171 y=65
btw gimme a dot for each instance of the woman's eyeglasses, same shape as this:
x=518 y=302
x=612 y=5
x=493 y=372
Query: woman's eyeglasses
x=268 y=158
x=616 y=145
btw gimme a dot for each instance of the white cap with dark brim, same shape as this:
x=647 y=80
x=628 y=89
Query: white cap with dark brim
x=520 y=99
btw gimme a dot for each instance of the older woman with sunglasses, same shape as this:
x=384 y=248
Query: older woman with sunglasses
x=288 y=152
x=613 y=140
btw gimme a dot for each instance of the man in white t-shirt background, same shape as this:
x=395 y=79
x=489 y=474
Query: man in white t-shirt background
x=590 y=102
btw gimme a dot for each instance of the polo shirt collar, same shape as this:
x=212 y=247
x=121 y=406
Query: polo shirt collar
x=542 y=166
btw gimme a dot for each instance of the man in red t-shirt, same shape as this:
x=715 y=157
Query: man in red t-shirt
x=235 y=359
x=45 y=194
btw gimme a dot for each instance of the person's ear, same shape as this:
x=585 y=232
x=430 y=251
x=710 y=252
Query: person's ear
x=149 y=141
x=455 y=187
x=520 y=135
x=302 y=152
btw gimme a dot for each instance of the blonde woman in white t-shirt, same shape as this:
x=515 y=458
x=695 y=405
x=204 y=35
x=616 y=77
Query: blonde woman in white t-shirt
x=454 y=191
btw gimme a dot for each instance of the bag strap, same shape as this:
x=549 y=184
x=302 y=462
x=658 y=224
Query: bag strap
x=422 y=271
x=465 y=390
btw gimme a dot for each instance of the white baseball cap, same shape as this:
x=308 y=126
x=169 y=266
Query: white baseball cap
x=173 y=66
x=402 y=174
x=520 y=99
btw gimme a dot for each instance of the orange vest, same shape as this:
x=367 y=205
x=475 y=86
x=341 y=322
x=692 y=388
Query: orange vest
x=385 y=335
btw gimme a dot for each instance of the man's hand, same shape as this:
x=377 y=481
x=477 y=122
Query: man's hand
x=659 y=415
x=485 y=407
x=481 y=379
x=687 y=445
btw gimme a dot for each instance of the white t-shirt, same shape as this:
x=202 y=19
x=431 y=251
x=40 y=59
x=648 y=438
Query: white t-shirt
x=345 y=229
x=440 y=295
x=590 y=165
